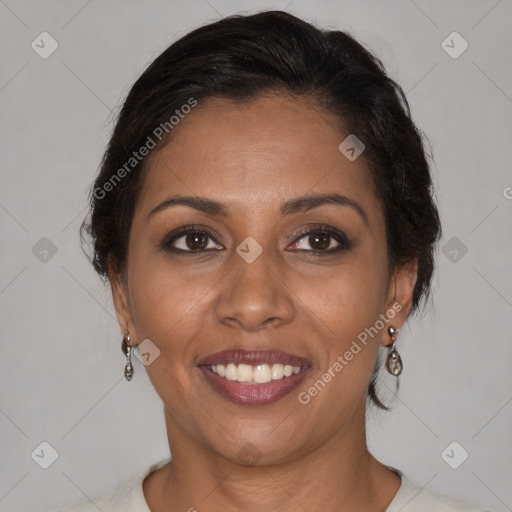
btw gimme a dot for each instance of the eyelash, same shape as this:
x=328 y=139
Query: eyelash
x=340 y=237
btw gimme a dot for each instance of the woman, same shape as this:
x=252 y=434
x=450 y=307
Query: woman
x=264 y=215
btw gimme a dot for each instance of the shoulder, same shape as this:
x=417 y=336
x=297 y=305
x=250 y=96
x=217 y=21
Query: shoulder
x=128 y=497
x=413 y=498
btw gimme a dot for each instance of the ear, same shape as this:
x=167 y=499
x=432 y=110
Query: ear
x=399 y=299
x=121 y=299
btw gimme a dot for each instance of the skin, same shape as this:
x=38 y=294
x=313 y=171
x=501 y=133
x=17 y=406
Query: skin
x=252 y=158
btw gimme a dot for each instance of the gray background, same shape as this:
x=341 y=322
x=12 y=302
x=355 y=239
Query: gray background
x=61 y=368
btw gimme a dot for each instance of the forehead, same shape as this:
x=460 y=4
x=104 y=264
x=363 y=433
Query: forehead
x=255 y=154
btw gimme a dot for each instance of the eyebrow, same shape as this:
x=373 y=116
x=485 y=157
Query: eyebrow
x=299 y=204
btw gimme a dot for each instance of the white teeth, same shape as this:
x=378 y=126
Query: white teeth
x=244 y=373
x=259 y=374
x=231 y=372
x=262 y=374
x=277 y=371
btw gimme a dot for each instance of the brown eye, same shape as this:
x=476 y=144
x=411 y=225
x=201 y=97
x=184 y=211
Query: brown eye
x=320 y=241
x=196 y=240
x=189 y=240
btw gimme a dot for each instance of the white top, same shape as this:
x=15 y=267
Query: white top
x=129 y=497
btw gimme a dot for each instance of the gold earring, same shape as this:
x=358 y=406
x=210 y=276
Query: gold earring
x=127 y=349
x=394 y=361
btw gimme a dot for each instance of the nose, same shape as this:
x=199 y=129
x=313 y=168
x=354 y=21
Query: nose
x=254 y=296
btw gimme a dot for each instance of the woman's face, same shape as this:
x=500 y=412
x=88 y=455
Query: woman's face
x=251 y=278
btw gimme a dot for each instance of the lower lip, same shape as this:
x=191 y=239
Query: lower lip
x=253 y=394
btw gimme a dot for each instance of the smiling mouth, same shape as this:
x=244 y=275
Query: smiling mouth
x=254 y=377
x=259 y=374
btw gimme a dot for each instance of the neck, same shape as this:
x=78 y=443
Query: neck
x=339 y=475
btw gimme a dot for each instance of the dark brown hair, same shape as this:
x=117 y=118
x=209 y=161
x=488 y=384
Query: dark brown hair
x=239 y=58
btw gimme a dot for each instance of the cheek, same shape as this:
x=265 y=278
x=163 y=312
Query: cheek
x=345 y=309
x=166 y=310
x=164 y=304
x=350 y=298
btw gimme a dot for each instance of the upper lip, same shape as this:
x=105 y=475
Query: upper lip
x=253 y=357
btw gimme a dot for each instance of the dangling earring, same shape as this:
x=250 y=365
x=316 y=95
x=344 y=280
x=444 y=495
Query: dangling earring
x=393 y=361
x=127 y=349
